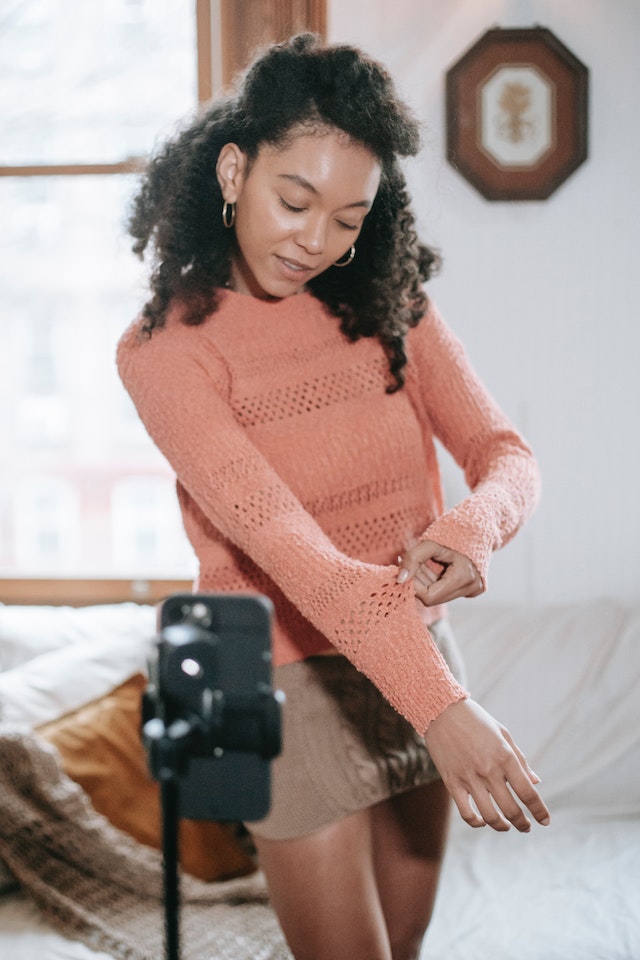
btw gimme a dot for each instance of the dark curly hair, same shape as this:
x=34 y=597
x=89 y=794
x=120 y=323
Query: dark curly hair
x=298 y=83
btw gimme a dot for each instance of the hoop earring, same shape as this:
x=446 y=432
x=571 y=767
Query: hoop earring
x=345 y=263
x=229 y=214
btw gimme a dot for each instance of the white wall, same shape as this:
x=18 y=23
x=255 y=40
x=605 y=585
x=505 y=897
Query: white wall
x=543 y=293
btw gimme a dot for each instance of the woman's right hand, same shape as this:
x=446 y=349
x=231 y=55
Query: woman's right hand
x=478 y=761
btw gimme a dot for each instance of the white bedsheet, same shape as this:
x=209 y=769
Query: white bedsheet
x=568 y=892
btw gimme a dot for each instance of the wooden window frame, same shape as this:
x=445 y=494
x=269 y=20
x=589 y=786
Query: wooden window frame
x=74 y=592
x=246 y=25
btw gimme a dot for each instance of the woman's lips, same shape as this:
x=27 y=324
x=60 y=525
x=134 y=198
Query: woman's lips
x=293 y=268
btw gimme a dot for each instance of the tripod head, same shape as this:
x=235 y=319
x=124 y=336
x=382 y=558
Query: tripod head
x=211 y=720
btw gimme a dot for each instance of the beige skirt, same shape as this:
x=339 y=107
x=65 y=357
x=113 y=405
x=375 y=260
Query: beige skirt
x=344 y=747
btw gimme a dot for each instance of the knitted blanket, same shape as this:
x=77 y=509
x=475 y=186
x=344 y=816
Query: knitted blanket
x=95 y=884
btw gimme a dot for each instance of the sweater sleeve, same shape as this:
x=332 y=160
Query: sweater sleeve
x=179 y=385
x=499 y=467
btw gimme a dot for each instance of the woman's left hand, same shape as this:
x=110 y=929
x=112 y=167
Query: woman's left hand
x=439 y=574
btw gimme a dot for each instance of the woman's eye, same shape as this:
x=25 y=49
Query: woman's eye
x=347 y=226
x=290 y=207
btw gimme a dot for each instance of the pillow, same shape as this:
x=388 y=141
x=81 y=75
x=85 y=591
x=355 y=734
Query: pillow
x=101 y=749
x=61 y=681
x=28 y=631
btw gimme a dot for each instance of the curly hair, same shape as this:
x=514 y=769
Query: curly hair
x=296 y=84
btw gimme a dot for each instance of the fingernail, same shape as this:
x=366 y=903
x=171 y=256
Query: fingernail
x=546 y=821
x=536 y=777
x=403 y=576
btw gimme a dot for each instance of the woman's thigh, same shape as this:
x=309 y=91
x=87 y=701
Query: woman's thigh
x=323 y=889
x=363 y=887
x=408 y=840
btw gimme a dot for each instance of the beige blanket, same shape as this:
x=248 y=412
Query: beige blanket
x=95 y=884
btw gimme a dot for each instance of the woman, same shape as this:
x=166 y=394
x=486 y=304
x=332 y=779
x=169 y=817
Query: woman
x=291 y=369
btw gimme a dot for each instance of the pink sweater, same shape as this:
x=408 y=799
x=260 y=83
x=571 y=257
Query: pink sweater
x=300 y=478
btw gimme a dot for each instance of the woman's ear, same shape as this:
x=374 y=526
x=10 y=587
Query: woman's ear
x=230 y=170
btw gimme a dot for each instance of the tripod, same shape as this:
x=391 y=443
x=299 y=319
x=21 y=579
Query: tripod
x=211 y=722
x=166 y=750
x=171 y=859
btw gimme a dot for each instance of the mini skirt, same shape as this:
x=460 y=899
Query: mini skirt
x=344 y=747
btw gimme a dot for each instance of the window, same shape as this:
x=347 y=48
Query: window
x=86 y=89
x=84 y=94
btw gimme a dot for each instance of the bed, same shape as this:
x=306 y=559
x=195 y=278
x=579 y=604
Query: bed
x=564 y=679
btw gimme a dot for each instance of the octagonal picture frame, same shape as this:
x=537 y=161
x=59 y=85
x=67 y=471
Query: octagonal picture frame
x=517 y=114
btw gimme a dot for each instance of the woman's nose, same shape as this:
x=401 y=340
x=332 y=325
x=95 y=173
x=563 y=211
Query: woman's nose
x=312 y=235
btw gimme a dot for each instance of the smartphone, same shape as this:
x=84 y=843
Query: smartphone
x=212 y=674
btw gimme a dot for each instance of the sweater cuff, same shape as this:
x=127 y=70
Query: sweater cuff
x=454 y=535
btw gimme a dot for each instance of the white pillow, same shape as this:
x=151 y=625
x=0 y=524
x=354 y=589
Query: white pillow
x=27 y=631
x=61 y=681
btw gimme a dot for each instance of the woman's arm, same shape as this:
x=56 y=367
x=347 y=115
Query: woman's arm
x=484 y=770
x=498 y=465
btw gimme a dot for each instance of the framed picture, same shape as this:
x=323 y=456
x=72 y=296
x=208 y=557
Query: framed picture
x=517 y=114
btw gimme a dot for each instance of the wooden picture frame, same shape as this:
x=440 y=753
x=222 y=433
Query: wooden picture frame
x=516 y=105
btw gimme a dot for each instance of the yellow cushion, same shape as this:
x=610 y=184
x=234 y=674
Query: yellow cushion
x=101 y=749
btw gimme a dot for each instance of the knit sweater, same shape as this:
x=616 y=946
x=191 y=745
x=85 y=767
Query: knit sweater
x=300 y=478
